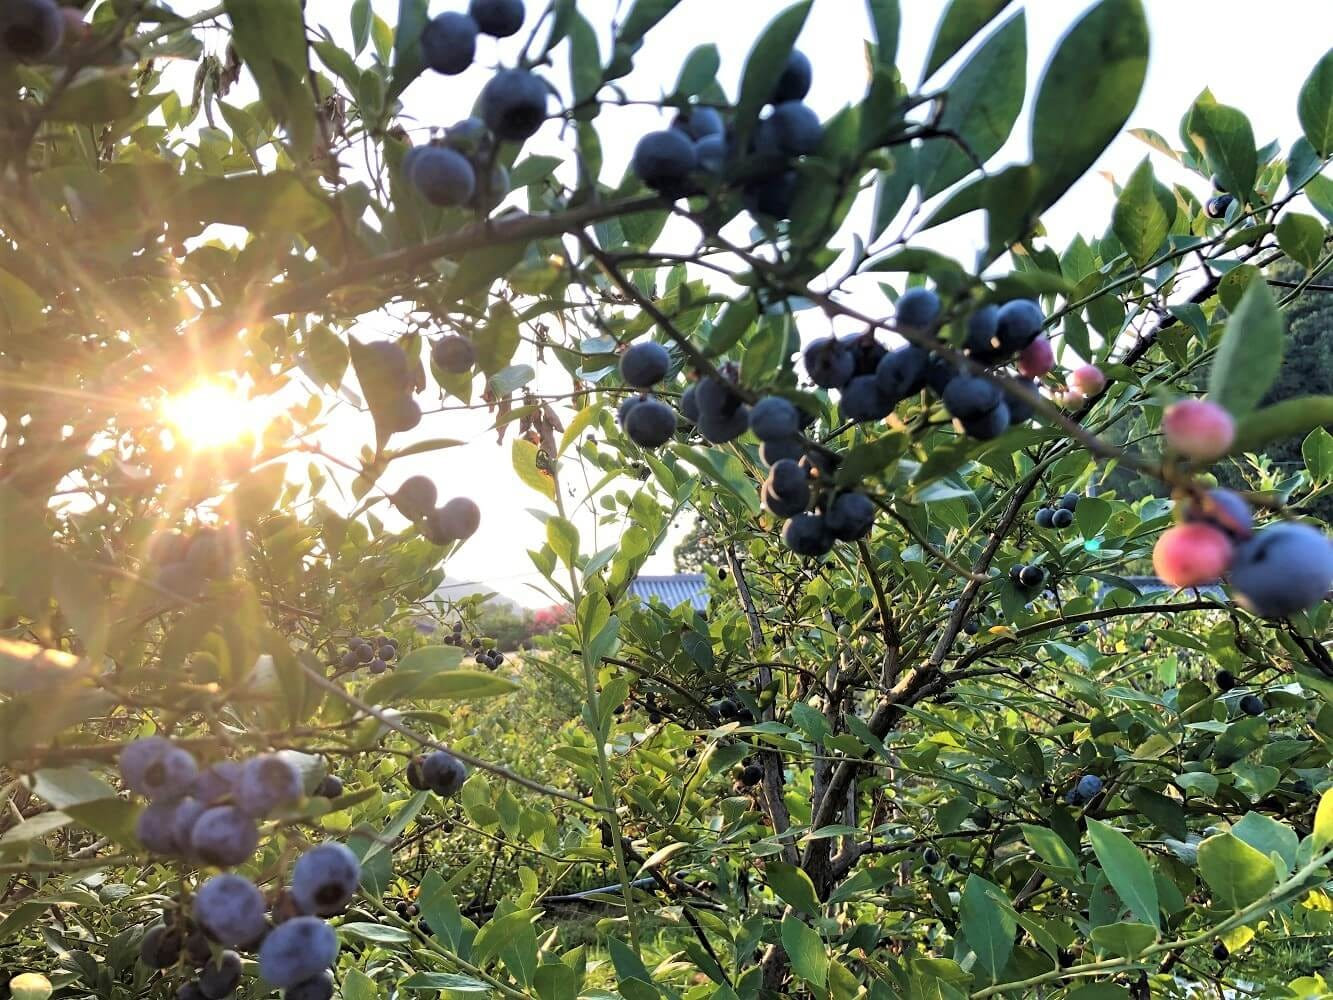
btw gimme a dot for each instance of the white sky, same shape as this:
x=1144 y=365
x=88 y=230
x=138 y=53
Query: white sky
x=1196 y=43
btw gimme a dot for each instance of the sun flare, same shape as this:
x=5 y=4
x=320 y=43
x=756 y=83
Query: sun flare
x=211 y=414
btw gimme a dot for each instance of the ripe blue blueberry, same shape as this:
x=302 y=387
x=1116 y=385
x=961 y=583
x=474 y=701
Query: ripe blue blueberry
x=1069 y=501
x=1045 y=517
x=651 y=424
x=711 y=153
x=700 y=123
x=969 y=397
x=210 y=553
x=772 y=452
x=1283 y=569
x=1062 y=519
x=497 y=18
x=156 y=769
x=223 y=836
x=988 y=426
x=318 y=988
x=468 y=136
x=230 y=910
x=449 y=43
x=161 y=947
x=331 y=787
x=1251 y=705
x=663 y=160
x=1031 y=576
x=645 y=364
x=983 y=342
x=216 y=782
x=296 y=950
x=220 y=977
x=1020 y=410
x=513 y=104
x=325 y=878
x=807 y=535
x=268 y=783
x=795 y=129
x=786 y=491
x=901 y=373
x=189 y=990
x=443 y=773
x=461 y=516
x=918 y=309
x=1018 y=324
x=771 y=197
x=829 y=363
x=689 y=404
x=30 y=29
x=774 y=419
x=1216 y=208
x=155 y=828
x=796 y=78
x=1087 y=788
x=721 y=424
x=443 y=176
x=186 y=814
x=867 y=352
x=850 y=516
x=862 y=401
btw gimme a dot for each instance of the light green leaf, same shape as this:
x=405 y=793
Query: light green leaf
x=1317 y=449
x=793 y=885
x=989 y=924
x=563 y=537
x=805 y=948
x=1250 y=354
x=1301 y=238
x=1125 y=939
x=1236 y=872
x=1322 y=834
x=1139 y=220
x=961 y=21
x=1268 y=837
x=524 y=456
x=1050 y=847
x=497 y=933
x=1285 y=419
x=1126 y=869
x=1227 y=139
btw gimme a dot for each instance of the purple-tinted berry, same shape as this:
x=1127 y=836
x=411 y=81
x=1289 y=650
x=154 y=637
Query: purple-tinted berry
x=217 y=782
x=219 y=978
x=318 y=988
x=224 y=836
x=156 y=769
x=268 y=783
x=230 y=910
x=443 y=773
x=449 y=43
x=298 y=949
x=325 y=878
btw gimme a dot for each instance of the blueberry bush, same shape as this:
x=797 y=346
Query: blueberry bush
x=999 y=692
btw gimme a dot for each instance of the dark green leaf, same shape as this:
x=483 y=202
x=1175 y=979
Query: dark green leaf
x=886 y=19
x=989 y=924
x=1315 y=105
x=1139 y=220
x=764 y=65
x=1225 y=136
x=1126 y=869
x=700 y=69
x=407 y=61
x=585 y=62
x=1301 y=238
x=793 y=885
x=269 y=35
x=961 y=21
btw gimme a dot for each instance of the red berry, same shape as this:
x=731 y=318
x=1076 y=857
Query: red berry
x=1037 y=358
x=1192 y=555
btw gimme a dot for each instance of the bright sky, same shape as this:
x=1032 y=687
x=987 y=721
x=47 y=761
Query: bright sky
x=1197 y=43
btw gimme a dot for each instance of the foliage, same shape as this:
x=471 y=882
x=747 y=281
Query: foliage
x=858 y=775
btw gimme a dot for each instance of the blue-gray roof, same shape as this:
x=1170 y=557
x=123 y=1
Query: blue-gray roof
x=682 y=588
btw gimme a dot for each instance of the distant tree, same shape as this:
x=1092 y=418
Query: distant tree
x=699 y=548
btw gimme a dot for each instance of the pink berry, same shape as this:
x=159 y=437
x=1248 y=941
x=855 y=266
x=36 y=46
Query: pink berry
x=1037 y=358
x=1198 y=429
x=1088 y=380
x=1192 y=555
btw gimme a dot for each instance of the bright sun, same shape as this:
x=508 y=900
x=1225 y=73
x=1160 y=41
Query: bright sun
x=213 y=414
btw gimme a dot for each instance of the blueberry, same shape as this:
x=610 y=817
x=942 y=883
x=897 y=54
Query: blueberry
x=711 y=153
x=850 y=517
x=161 y=947
x=771 y=197
x=224 y=836
x=863 y=402
x=350 y=661
x=230 y=910
x=1018 y=323
x=415 y=778
x=456 y=521
x=216 y=782
x=930 y=856
x=918 y=309
x=1225 y=680
x=1220 y=952
x=664 y=160
x=377 y=666
x=772 y=452
x=719 y=427
x=298 y=949
x=789 y=479
x=364 y=652
x=167 y=547
x=969 y=397
x=454 y=355
x=867 y=352
x=807 y=535
x=155 y=828
x=982 y=340
x=1283 y=569
x=1252 y=704
x=795 y=129
x=325 y=878
x=1062 y=518
x=651 y=424
x=1224 y=510
x=268 y=783
x=469 y=136
x=989 y=426
x=1216 y=208
x=317 y=988
x=1088 y=787
x=794 y=83
x=1068 y=502
x=774 y=419
x=443 y=773
x=645 y=364
x=901 y=373
x=513 y=104
x=156 y=769
x=30 y=29
x=497 y=18
x=1081 y=629
x=939 y=373
x=220 y=978
x=1045 y=517
x=414 y=498
x=700 y=123
x=443 y=176
x=1020 y=410
x=330 y=788
x=829 y=363
x=751 y=775
x=449 y=43
x=1031 y=576
x=404 y=417
x=187 y=813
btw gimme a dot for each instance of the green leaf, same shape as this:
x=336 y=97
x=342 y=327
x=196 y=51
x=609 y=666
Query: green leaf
x=984 y=100
x=360 y=18
x=523 y=454
x=62 y=787
x=1268 y=837
x=1125 y=939
x=585 y=61
x=700 y=69
x=793 y=885
x=886 y=17
x=643 y=17
x=765 y=64
x=961 y=21
x=805 y=948
x=496 y=934
x=102 y=99
x=464 y=685
x=407 y=61
x=261 y=203
x=450 y=982
x=430 y=659
x=1250 y=354
x=1090 y=86
x=378 y=933
x=1227 y=139
x=26 y=668
x=1126 y=869
x=1139 y=220
x=269 y=36
x=1301 y=238
x=1050 y=847
x=988 y=923
x=563 y=537
x=1317 y=448
x=892 y=188
x=1314 y=107
x=1235 y=871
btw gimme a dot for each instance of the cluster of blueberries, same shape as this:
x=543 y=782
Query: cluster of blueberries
x=439 y=772
x=1027 y=577
x=1060 y=516
x=700 y=144
x=1283 y=569
x=490 y=658
x=1251 y=704
x=185 y=563
x=375 y=656
x=749 y=774
x=454 y=521
x=461 y=168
